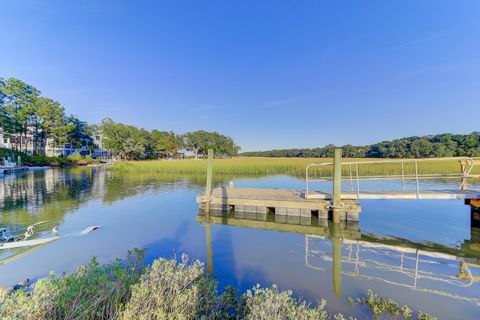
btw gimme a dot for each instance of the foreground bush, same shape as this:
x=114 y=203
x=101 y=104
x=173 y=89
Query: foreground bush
x=92 y=292
x=167 y=289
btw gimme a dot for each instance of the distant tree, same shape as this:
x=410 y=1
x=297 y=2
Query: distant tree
x=200 y=141
x=126 y=142
x=166 y=142
x=18 y=100
x=78 y=132
x=51 y=125
x=442 y=145
x=196 y=141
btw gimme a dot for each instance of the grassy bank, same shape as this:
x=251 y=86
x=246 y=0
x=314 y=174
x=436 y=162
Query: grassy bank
x=30 y=160
x=168 y=289
x=287 y=166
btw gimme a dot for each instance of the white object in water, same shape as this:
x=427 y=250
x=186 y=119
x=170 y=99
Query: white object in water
x=27 y=243
x=89 y=229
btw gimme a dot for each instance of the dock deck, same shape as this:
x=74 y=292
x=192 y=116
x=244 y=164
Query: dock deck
x=279 y=201
x=294 y=203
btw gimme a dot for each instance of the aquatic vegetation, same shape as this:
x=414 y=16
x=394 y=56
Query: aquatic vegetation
x=271 y=303
x=380 y=306
x=289 y=166
x=168 y=289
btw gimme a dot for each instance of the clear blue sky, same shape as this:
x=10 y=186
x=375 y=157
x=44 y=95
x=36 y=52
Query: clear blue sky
x=271 y=74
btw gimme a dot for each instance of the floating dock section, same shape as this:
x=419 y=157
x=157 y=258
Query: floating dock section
x=281 y=202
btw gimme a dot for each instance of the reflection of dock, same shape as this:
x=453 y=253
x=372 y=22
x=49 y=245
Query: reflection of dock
x=301 y=225
x=424 y=271
x=423 y=267
x=9 y=170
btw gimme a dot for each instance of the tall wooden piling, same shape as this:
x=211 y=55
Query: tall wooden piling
x=208 y=188
x=337 y=184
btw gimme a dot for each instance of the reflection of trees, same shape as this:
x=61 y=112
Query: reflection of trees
x=47 y=195
x=44 y=195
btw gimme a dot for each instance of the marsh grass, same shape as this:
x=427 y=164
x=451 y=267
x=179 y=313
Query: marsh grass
x=291 y=166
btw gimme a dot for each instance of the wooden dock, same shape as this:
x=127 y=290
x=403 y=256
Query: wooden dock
x=340 y=205
x=278 y=201
x=293 y=202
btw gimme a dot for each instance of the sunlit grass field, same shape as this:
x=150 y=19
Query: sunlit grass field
x=292 y=166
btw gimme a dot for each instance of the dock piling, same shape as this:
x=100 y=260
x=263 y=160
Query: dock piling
x=208 y=188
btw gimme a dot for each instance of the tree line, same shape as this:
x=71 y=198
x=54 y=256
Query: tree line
x=28 y=117
x=429 y=146
x=24 y=112
x=129 y=142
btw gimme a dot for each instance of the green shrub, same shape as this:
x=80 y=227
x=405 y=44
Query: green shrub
x=6 y=153
x=272 y=304
x=171 y=290
x=92 y=292
x=166 y=290
x=79 y=159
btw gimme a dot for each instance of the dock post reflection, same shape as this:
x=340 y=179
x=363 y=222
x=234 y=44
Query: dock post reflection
x=208 y=239
x=337 y=259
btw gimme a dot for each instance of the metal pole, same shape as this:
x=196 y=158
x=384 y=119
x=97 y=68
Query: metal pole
x=337 y=183
x=306 y=182
x=208 y=188
x=351 y=180
x=463 y=169
x=358 y=181
x=403 y=175
x=416 y=179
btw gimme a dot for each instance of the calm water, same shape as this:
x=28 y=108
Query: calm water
x=421 y=253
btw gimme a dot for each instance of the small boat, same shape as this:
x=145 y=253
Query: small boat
x=27 y=243
x=8 y=241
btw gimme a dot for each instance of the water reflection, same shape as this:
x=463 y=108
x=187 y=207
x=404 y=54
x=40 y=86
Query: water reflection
x=48 y=195
x=158 y=212
x=423 y=267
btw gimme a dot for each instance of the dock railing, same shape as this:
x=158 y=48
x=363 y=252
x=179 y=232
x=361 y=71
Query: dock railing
x=404 y=172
